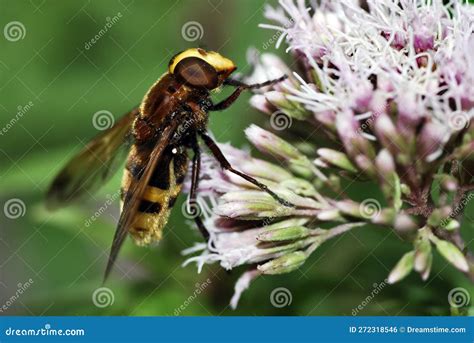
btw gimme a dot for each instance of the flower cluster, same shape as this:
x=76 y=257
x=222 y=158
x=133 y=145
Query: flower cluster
x=381 y=93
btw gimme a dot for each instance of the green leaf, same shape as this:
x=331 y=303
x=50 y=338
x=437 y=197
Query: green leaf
x=284 y=264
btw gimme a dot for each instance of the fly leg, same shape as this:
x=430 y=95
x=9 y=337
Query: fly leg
x=240 y=88
x=227 y=101
x=227 y=166
x=237 y=83
x=193 y=203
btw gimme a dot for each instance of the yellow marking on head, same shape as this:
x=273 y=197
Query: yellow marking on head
x=219 y=62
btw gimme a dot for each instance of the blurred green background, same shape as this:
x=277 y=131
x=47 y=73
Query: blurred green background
x=66 y=84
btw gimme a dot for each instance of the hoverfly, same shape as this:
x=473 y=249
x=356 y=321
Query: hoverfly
x=157 y=135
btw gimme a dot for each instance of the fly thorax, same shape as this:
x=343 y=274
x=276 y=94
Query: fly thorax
x=143 y=130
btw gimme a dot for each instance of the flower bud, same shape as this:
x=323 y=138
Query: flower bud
x=451 y=224
x=270 y=143
x=388 y=135
x=284 y=234
x=430 y=141
x=330 y=214
x=452 y=254
x=283 y=264
x=334 y=182
x=276 y=98
x=426 y=272
x=263 y=169
x=365 y=164
x=422 y=254
x=448 y=182
x=260 y=102
x=327 y=118
x=388 y=178
x=267 y=67
x=409 y=111
x=404 y=223
x=402 y=268
x=251 y=205
x=385 y=164
x=385 y=217
x=349 y=207
x=405 y=189
x=438 y=216
x=299 y=186
x=291 y=108
x=354 y=143
x=336 y=158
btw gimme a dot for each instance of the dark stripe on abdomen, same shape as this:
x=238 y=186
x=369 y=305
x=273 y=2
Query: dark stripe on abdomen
x=161 y=174
x=149 y=207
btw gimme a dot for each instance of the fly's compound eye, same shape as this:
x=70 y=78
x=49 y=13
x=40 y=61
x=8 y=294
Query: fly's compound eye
x=197 y=72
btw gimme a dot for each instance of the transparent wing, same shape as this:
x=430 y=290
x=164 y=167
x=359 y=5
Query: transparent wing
x=93 y=165
x=135 y=195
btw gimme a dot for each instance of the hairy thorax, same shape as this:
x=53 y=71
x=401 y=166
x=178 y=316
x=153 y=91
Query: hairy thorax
x=169 y=100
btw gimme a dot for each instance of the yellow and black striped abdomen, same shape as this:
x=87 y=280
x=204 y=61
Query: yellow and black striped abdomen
x=159 y=195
